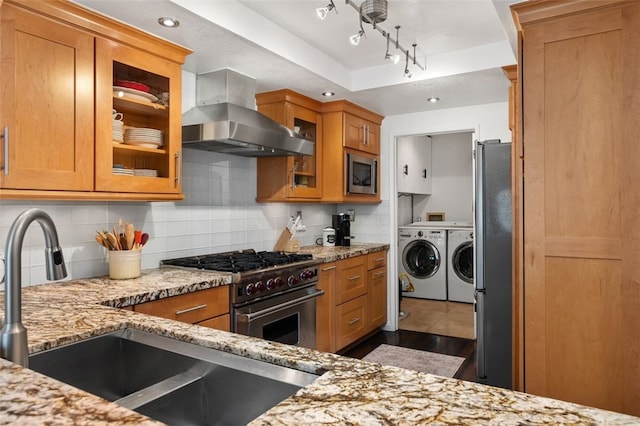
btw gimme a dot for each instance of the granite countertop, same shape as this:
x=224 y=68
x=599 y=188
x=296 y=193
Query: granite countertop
x=348 y=391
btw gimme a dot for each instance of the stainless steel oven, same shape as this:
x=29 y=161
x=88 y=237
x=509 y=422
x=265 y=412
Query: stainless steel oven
x=272 y=294
x=361 y=173
x=286 y=318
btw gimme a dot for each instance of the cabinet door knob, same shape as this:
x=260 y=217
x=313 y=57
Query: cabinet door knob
x=406 y=169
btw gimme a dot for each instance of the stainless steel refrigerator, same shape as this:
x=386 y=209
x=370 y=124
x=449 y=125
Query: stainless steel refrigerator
x=493 y=224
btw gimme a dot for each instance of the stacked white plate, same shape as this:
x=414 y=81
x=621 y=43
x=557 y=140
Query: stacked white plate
x=145 y=172
x=146 y=138
x=123 y=172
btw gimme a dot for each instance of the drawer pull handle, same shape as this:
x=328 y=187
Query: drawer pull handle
x=353 y=321
x=328 y=268
x=378 y=274
x=194 y=308
x=355 y=277
x=379 y=259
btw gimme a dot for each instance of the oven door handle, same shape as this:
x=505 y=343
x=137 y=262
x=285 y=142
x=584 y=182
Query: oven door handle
x=280 y=307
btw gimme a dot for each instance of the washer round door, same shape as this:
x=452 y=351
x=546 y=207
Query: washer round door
x=463 y=262
x=421 y=259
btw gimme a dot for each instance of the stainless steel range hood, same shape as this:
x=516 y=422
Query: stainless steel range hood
x=224 y=121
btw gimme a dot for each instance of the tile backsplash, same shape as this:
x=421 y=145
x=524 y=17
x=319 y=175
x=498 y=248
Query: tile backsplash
x=219 y=213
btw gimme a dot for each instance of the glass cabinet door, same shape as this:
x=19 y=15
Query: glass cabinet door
x=138 y=136
x=305 y=179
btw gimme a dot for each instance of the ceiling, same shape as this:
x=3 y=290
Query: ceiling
x=283 y=44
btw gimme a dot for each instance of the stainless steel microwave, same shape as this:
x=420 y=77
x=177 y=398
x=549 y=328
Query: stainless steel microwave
x=362 y=174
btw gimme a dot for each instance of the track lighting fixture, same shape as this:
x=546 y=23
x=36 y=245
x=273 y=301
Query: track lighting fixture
x=355 y=39
x=393 y=58
x=324 y=11
x=374 y=12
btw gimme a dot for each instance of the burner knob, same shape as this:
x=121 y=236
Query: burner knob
x=250 y=289
x=292 y=281
x=305 y=275
x=260 y=287
x=279 y=282
x=271 y=284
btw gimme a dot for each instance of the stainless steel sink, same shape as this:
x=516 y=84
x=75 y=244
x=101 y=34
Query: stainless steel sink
x=169 y=380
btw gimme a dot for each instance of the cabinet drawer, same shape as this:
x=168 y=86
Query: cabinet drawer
x=351 y=279
x=351 y=320
x=377 y=259
x=222 y=322
x=192 y=307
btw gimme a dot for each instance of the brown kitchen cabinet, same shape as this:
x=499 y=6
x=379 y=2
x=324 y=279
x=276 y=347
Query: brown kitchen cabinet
x=579 y=106
x=325 y=308
x=350 y=298
x=59 y=62
x=209 y=308
x=46 y=103
x=361 y=134
x=377 y=290
x=348 y=128
x=297 y=177
x=114 y=62
x=351 y=321
x=355 y=300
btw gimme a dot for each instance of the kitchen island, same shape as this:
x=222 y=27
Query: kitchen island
x=347 y=390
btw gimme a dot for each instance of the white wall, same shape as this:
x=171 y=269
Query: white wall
x=452 y=188
x=490 y=121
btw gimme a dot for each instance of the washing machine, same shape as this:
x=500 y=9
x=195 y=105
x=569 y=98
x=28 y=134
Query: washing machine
x=422 y=261
x=460 y=284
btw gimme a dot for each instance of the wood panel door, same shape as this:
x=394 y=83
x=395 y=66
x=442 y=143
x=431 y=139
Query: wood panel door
x=581 y=91
x=46 y=103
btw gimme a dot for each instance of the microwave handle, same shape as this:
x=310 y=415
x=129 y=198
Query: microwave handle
x=374 y=176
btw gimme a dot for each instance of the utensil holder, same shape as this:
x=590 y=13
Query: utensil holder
x=124 y=264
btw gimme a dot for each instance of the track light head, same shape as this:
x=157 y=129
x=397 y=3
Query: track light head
x=324 y=11
x=355 y=39
x=393 y=58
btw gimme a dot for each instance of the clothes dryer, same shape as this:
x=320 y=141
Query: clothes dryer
x=460 y=283
x=422 y=262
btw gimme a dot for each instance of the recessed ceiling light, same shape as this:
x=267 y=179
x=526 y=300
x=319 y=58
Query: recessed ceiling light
x=433 y=100
x=328 y=94
x=168 y=22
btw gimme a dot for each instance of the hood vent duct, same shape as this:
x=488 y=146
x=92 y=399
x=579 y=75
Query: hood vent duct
x=224 y=120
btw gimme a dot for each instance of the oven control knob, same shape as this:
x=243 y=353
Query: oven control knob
x=305 y=275
x=271 y=284
x=292 y=281
x=250 y=289
x=260 y=287
x=279 y=282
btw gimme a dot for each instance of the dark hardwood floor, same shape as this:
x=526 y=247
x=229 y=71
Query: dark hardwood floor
x=422 y=341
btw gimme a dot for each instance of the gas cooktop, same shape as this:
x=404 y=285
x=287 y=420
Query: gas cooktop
x=238 y=261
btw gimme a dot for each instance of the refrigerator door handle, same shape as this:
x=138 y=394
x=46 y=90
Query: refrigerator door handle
x=481 y=348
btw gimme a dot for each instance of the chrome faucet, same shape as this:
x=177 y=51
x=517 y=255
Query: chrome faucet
x=13 y=337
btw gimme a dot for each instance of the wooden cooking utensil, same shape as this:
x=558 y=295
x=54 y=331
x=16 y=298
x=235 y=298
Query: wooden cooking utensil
x=129 y=233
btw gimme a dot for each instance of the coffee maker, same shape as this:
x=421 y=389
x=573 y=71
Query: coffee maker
x=342 y=224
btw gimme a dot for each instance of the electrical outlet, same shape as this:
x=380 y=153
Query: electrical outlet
x=352 y=215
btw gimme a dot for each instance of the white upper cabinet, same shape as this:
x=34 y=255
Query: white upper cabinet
x=414 y=165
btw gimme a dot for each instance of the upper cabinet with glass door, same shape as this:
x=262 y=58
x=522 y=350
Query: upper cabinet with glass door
x=298 y=177
x=138 y=133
